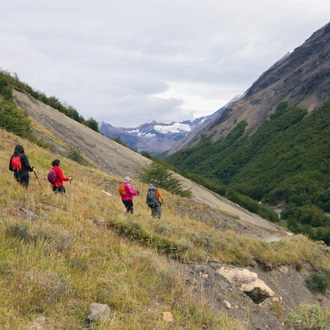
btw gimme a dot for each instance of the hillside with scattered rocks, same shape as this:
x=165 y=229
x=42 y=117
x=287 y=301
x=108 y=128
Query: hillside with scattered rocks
x=260 y=295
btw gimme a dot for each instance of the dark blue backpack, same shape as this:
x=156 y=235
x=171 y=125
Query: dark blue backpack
x=151 y=199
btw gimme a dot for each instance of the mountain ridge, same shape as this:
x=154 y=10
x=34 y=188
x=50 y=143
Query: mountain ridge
x=157 y=137
x=301 y=78
x=273 y=144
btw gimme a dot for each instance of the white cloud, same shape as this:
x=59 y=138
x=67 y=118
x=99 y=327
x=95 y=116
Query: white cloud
x=128 y=62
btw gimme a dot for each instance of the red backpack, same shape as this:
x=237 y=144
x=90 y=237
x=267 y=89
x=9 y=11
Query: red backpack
x=16 y=163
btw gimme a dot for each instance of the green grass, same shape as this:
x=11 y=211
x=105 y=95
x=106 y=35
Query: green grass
x=59 y=254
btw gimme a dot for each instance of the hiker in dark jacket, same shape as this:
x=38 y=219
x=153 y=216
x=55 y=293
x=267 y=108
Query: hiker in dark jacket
x=22 y=176
x=58 y=185
x=155 y=201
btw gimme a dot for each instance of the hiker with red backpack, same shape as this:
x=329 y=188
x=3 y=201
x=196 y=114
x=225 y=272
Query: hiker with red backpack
x=127 y=192
x=56 y=177
x=19 y=164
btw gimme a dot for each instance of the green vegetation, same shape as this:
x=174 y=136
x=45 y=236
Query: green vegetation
x=60 y=253
x=92 y=123
x=119 y=140
x=159 y=174
x=229 y=193
x=285 y=162
x=14 y=119
x=308 y=317
x=317 y=283
x=76 y=155
x=9 y=81
x=146 y=154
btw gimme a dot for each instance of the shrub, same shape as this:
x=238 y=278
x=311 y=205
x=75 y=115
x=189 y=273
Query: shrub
x=76 y=155
x=159 y=174
x=317 y=283
x=308 y=317
x=14 y=119
x=92 y=123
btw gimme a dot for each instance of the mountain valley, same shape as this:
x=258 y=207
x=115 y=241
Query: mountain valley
x=208 y=263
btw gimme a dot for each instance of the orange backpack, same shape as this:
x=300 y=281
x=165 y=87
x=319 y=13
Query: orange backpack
x=122 y=189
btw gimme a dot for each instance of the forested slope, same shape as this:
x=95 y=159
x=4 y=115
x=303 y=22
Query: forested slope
x=285 y=161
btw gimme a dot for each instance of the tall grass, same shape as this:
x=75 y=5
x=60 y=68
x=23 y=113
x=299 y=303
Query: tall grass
x=60 y=253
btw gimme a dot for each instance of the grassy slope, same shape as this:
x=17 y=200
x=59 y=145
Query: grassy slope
x=72 y=255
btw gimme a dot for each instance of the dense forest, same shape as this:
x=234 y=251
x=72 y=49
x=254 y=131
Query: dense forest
x=284 y=163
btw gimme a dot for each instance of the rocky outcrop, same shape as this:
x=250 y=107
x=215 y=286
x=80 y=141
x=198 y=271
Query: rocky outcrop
x=248 y=282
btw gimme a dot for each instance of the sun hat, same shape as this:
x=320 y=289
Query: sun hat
x=127 y=179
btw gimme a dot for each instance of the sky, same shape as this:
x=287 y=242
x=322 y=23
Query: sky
x=130 y=62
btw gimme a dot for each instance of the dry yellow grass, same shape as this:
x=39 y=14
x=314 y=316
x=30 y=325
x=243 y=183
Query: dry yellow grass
x=63 y=256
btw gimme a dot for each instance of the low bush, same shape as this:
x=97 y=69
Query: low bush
x=158 y=173
x=317 y=283
x=76 y=155
x=308 y=317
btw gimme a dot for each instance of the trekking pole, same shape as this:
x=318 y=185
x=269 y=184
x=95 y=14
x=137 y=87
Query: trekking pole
x=37 y=177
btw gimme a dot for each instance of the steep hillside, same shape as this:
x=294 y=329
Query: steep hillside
x=114 y=158
x=275 y=152
x=285 y=162
x=301 y=78
x=100 y=150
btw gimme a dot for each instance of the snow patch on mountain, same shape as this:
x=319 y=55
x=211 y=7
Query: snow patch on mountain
x=155 y=137
x=137 y=132
x=174 y=128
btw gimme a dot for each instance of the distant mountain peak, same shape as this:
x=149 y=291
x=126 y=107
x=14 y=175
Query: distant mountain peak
x=157 y=137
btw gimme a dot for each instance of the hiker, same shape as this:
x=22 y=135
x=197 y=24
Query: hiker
x=58 y=186
x=127 y=195
x=19 y=164
x=155 y=200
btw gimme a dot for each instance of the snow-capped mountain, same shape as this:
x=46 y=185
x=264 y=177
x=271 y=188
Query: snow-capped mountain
x=154 y=137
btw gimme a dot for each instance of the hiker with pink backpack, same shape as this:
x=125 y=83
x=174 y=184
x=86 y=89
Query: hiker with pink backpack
x=56 y=177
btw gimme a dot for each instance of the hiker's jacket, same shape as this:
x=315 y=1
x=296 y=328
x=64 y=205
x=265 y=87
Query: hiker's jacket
x=26 y=168
x=130 y=192
x=59 y=176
